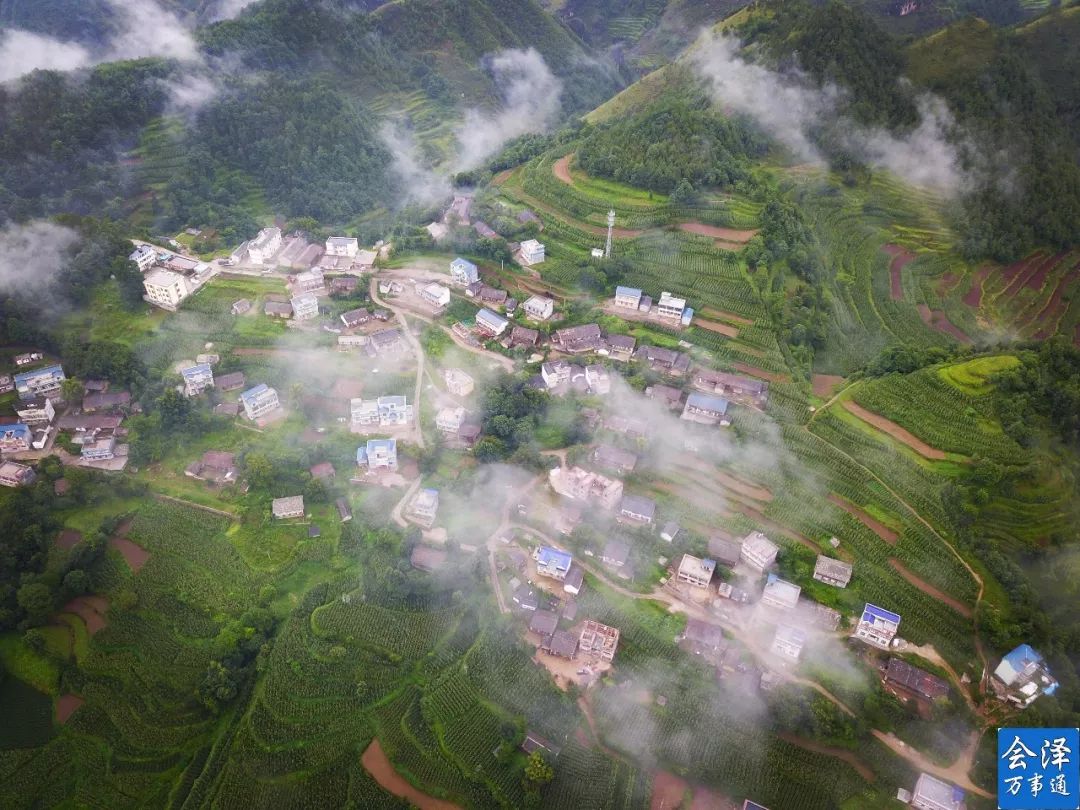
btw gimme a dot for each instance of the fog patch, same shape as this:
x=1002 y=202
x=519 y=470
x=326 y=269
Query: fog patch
x=32 y=255
x=418 y=183
x=22 y=52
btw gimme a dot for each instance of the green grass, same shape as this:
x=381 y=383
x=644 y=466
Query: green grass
x=34 y=668
x=973 y=377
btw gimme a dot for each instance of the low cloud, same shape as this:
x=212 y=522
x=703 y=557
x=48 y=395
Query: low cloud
x=32 y=254
x=418 y=183
x=531 y=102
x=22 y=52
x=190 y=92
x=227 y=9
x=789 y=106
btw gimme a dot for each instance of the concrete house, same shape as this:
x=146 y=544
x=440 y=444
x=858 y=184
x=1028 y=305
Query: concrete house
x=627 y=298
x=578 y=339
x=290 y=507
x=166 y=289
x=575 y=581
x=732 y=386
x=450 y=420
x=614 y=458
x=27 y=358
x=555 y=373
x=637 y=509
x=1022 y=677
x=278 y=309
x=144 y=256
x=263 y=247
x=598 y=379
x=346 y=246
x=581 y=485
x=550 y=562
x=424 y=506
x=388 y=342
x=832 y=572
x=355 y=317
x=16 y=475
x=670 y=307
x=378 y=454
x=458 y=382
x=758 y=551
x=386 y=411
x=618 y=347
x=664 y=361
x=706 y=409
x=40 y=382
x=434 y=294
x=932 y=793
x=310 y=281
x=197 y=379
x=695 y=571
x=259 y=401
x=305 y=307
x=615 y=554
x=532 y=252
x=599 y=640
x=539 y=308
x=877 y=626
x=780 y=594
x=36 y=411
x=101 y=449
x=562 y=644
x=463 y=272
x=491 y=323
x=17 y=438
x=788 y=642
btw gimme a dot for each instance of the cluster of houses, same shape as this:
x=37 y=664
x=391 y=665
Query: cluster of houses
x=270 y=249
x=168 y=278
x=666 y=308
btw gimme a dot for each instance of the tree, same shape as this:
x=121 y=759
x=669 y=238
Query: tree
x=537 y=770
x=76 y=582
x=175 y=409
x=36 y=600
x=71 y=390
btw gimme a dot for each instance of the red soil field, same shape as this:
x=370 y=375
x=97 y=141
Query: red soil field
x=840 y=753
x=902 y=257
x=900 y=434
x=376 y=763
x=561 y=167
x=973 y=297
x=92 y=610
x=134 y=555
x=719 y=314
x=824 y=384
x=667 y=791
x=1036 y=280
x=938 y=320
x=947 y=283
x=1055 y=307
x=721 y=328
x=876 y=526
x=753 y=371
x=68 y=539
x=930 y=590
x=732 y=235
x=67 y=705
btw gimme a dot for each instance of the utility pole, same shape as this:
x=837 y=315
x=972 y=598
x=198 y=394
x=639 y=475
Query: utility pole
x=610 y=226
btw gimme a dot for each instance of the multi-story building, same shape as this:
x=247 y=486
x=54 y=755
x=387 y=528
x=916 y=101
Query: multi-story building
x=166 y=289
x=780 y=594
x=932 y=793
x=259 y=401
x=877 y=626
x=262 y=248
x=435 y=294
x=1022 y=677
x=758 y=551
x=458 y=382
x=550 y=562
x=491 y=323
x=144 y=256
x=305 y=307
x=101 y=449
x=378 y=454
x=539 y=307
x=532 y=252
x=598 y=379
x=581 y=485
x=788 y=642
x=17 y=438
x=695 y=571
x=197 y=379
x=555 y=373
x=424 y=506
x=15 y=475
x=627 y=297
x=310 y=281
x=386 y=411
x=39 y=383
x=36 y=411
x=463 y=272
x=670 y=307
x=450 y=420
x=346 y=246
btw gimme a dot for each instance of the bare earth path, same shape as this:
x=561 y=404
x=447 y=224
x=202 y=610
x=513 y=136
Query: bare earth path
x=418 y=434
x=900 y=434
x=379 y=766
x=930 y=590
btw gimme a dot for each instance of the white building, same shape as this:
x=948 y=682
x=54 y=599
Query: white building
x=788 y=642
x=35 y=411
x=310 y=281
x=450 y=420
x=263 y=247
x=424 y=506
x=669 y=306
x=758 y=551
x=463 y=272
x=458 y=382
x=305 y=307
x=15 y=475
x=386 y=411
x=259 y=401
x=39 y=382
x=378 y=454
x=780 y=594
x=539 y=308
x=877 y=626
x=166 y=289
x=197 y=379
x=555 y=373
x=491 y=322
x=696 y=571
x=532 y=252
x=932 y=793
x=598 y=379
x=100 y=449
x=144 y=256
x=345 y=246
x=627 y=297
x=435 y=294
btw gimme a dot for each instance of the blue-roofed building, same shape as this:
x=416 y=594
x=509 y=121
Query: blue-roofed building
x=627 y=297
x=932 y=793
x=749 y=805
x=550 y=562
x=1022 y=677
x=877 y=626
x=490 y=322
x=706 y=409
x=378 y=454
x=197 y=379
x=424 y=506
x=16 y=438
x=259 y=401
x=38 y=383
x=463 y=272
x=687 y=316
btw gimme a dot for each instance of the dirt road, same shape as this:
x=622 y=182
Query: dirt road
x=895 y=431
x=418 y=434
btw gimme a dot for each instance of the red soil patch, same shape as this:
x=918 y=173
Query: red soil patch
x=939 y=321
x=67 y=705
x=134 y=555
x=824 y=384
x=1010 y=273
x=930 y=590
x=719 y=314
x=1031 y=269
x=92 y=610
x=583 y=738
x=375 y=761
x=1036 y=280
x=502 y=177
x=742 y=487
x=753 y=371
x=973 y=297
x=902 y=257
x=733 y=236
x=667 y=791
x=894 y=430
x=1055 y=307
x=874 y=525
x=561 y=168
x=839 y=753
x=68 y=539
x=1076 y=336
x=713 y=326
x=947 y=283
x=705 y=799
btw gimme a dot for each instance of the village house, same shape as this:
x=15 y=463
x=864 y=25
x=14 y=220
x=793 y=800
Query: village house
x=388 y=342
x=355 y=317
x=581 y=485
x=703 y=638
x=241 y=306
x=89 y=423
x=110 y=401
x=525 y=597
x=278 y=309
x=259 y=401
x=538 y=307
x=7 y=384
x=637 y=509
x=386 y=411
x=832 y=572
x=292 y=506
x=381 y=314
x=758 y=551
x=532 y=252
x=614 y=458
x=424 y=506
x=215 y=466
x=378 y=454
x=492 y=296
x=166 y=289
x=724 y=551
x=577 y=339
x=1022 y=677
x=347 y=342
x=877 y=626
x=485 y=231
x=932 y=793
x=463 y=272
x=427 y=559
x=15 y=475
x=562 y=644
x=491 y=323
x=706 y=409
x=670 y=531
x=627 y=425
x=458 y=382
x=473 y=290
x=664 y=361
x=665 y=394
x=436 y=295
x=550 y=562
x=695 y=571
x=450 y=420
x=262 y=248
x=40 y=382
x=346 y=246
x=311 y=281
x=599 y=640
x=36 y=411
x=780 y=594
x=575 y=581
x=27 y=358
x=522 y=336
x=616 y=553
x=732 y=386
x=788 y=642
x=298 y=254
x=544 y=622
x=305 y=307
x=101 y=449
x=343 y=510
x=555 y=373
x=144 y=256
x=670 y=307
x=230 y=382
x=627 y=297
x=209 y=358
x=388 y=286
x=598 y=379
x=344 y=285
x=197 y=379
x=907 y=681
x=534 y=742
x=17 y=438
x=618 y=347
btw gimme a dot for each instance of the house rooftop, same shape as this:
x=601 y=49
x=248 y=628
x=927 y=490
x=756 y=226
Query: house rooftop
x=707 y=402
x=616 y=552
x=834 y=569
x=638 y=505
x=782 y=591
x=562 y=643
x=917 y=680
x=547 y=556
x=941 y=794
x=544 y=622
